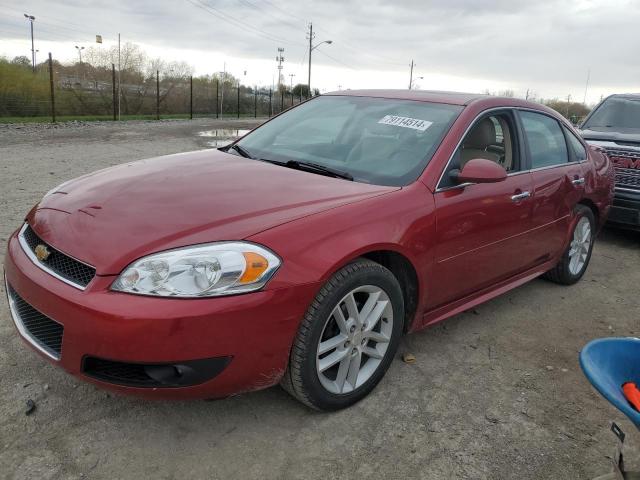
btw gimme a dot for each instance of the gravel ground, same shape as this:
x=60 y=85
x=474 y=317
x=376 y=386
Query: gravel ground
x=495 y=393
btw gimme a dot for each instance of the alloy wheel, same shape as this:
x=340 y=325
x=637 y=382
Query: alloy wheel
x=355 y=339
x=579 y=249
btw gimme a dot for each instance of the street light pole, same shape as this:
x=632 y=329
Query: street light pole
x=80 y=53
x=411 y=75
x=311 y=49
x=31 y=19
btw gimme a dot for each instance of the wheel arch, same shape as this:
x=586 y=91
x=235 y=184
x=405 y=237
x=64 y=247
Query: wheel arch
x=406 y=274
x=593 y=207
x=400 y=266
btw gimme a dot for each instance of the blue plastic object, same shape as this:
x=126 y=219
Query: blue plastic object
x=610 y=362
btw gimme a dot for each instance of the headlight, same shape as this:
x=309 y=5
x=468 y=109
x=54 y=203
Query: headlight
x=207 y=270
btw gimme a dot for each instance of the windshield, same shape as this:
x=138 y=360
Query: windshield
x=616 y=113
x=375 y=140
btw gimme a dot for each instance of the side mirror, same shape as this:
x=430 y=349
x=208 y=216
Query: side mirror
x=481 y=170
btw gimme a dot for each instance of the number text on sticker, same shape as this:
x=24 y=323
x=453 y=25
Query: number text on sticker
x=405 y=122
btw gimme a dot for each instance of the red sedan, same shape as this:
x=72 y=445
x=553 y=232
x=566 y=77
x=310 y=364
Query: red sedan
x=302 y=253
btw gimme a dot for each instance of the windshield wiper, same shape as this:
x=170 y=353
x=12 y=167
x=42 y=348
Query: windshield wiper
x=241 y=150
x=315 y=167
x=308 y=166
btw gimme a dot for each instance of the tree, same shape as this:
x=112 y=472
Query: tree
x=301 y=89
x=21 y=60
x=574 y=111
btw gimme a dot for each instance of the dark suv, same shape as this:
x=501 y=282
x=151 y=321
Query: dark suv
x=615 y=126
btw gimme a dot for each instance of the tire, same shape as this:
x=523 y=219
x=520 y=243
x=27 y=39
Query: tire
x=566 y=272
x=342 y=385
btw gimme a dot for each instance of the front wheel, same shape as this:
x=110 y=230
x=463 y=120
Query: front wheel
x=348 y=337
x=576 y=258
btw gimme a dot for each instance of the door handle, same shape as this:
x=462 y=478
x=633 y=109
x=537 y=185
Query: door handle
x=520 y=196
x=578 y=181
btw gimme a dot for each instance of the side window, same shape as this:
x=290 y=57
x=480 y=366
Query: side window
x=547 y=144
x=492 y=138
x=580 y=153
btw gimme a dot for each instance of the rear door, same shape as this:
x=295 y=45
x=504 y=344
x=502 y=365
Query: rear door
x=558 y=181
x=482 y=228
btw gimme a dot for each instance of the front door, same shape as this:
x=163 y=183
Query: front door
x=482 y=229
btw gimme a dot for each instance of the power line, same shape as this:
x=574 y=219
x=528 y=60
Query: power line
x=229 y=18
x=285 y=12
x=42 y=28
x=261 y=10
x=56 y=23
x=358 y=51
x=335 y=59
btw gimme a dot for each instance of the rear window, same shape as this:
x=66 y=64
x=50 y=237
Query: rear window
x=547 y=144
x=376 y=140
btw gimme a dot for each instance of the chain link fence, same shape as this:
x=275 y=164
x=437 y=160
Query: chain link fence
x=101 y=93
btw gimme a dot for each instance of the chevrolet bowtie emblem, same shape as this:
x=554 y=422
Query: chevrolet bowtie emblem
x=42 y=252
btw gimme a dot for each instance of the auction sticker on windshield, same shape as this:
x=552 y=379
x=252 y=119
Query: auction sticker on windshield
x=405 y=122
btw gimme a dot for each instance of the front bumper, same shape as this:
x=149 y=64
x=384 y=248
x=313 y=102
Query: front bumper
x=251 y=334
x=625 y=211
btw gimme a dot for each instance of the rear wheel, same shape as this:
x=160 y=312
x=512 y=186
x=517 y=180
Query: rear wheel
x=576 y=258
x=348 y=337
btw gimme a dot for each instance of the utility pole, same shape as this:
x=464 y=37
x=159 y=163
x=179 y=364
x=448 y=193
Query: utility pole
x=312 y=47
x=31 y=19
x=568 y=103
x=53 y=102
x=224 y=77
x=411 y=75
x=280 y=59
x=119 y=78
x=292 y=75
x=311 y=36
x=586 y=86
x=526 y=97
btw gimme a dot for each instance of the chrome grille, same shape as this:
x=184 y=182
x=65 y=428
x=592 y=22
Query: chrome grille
x=626 y=177
x=61 y=265
x=40 y=330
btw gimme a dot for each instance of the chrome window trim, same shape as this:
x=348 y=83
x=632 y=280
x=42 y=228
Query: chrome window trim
x=560 y=124
x=519 y=172
x=623 y=189
x=454 y=187
x=446 y=167
x=21 y=328
x=42 y=266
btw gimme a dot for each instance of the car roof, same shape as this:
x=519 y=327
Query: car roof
x=451 y=98
x=634 y=96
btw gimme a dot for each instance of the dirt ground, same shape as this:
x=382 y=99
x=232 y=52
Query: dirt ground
x=495 y=393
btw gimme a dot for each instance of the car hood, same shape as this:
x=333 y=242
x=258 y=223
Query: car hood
x=114 y=216
x=626 y=136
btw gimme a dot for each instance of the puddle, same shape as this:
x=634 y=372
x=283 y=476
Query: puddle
x=222 y=136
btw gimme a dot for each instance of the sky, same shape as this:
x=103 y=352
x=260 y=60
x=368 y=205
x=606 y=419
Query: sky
x=548 y=48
